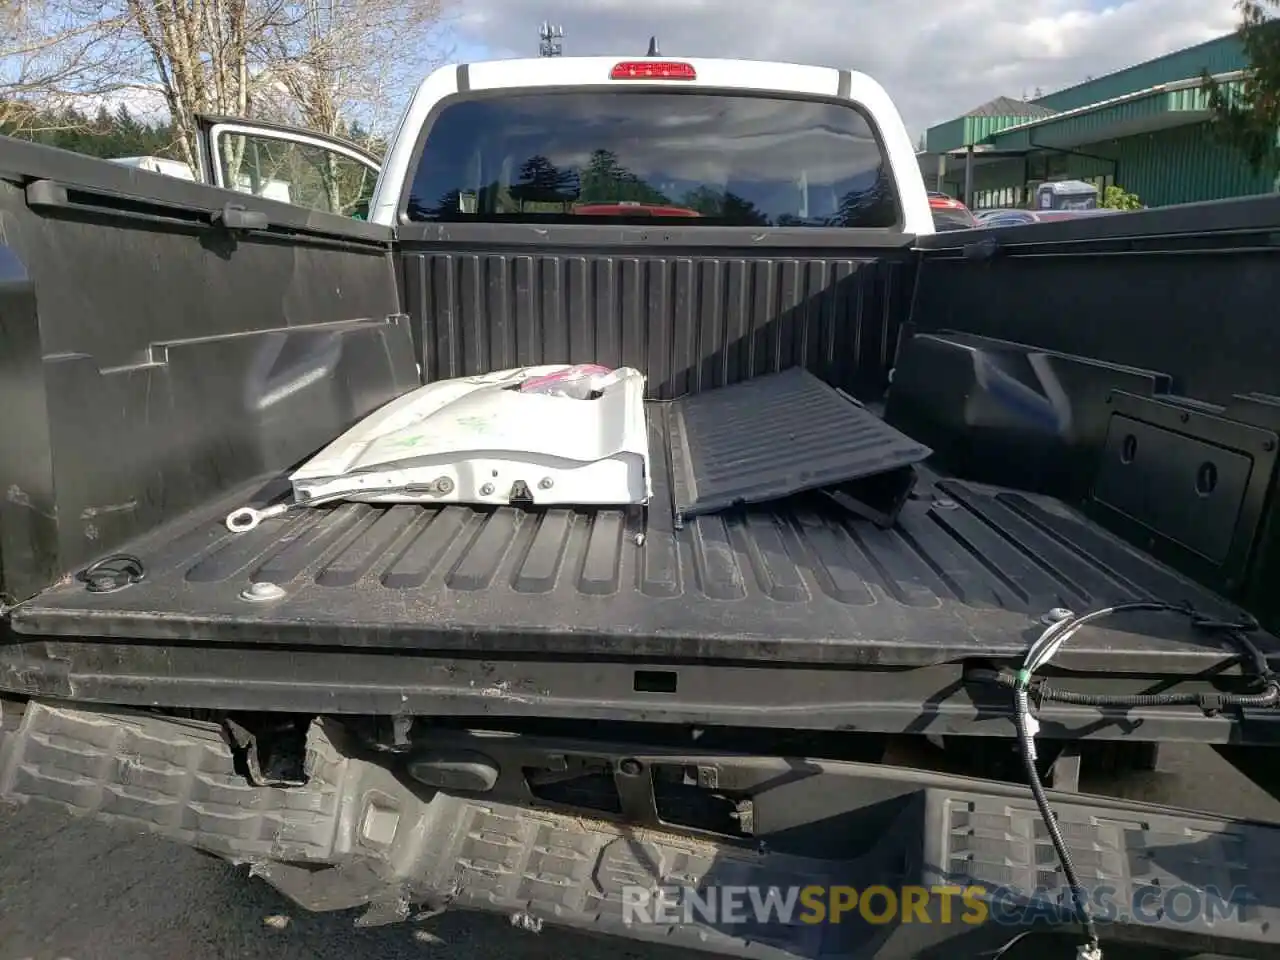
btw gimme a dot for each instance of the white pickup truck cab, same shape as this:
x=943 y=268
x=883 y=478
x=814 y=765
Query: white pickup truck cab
x=802 y=145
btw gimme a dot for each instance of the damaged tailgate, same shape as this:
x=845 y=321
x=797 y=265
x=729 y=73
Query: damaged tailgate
x=967 y=570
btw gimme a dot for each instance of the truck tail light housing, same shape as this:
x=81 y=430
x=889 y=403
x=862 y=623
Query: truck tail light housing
x=653 y=70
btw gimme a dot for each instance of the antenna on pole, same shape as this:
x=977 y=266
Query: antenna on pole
x=653 y=47
x=551 y=40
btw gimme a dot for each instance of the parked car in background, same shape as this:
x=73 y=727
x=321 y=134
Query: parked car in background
x=1018 y=218
x=949 y=213
x=170 y=168
x=1066 y=195
x=272 y=189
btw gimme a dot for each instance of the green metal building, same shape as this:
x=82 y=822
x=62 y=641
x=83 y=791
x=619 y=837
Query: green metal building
x=1144 y=128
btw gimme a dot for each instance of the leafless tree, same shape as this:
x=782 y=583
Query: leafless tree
x=191 y=56
x=320 y=63
x=333 y=61
x=51 y=59
x=198 y=54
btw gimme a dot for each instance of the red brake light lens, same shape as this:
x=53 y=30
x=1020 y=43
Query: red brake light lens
x=653 y=70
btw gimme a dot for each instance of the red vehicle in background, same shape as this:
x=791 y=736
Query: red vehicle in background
x=949 y=213
x=632 y=208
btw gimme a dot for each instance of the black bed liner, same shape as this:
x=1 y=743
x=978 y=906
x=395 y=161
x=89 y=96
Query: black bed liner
x=968 y=571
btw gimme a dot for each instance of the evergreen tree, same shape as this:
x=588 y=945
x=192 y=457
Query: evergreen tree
x=600 y=178
x=872 y=206
x=102 y=134
x=446 y=206
x=543 y=182
x=741 y=212
x=358 y=134
x=605 y=180
x=128 y=131
x=733 y=209
x=705 y=200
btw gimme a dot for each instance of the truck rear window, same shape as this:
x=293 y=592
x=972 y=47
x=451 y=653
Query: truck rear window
x=697 y=158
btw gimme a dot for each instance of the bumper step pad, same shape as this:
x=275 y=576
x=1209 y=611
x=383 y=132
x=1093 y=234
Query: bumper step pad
x=399 y=856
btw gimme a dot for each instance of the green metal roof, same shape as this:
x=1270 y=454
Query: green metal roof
x=981 y=122
x=1220 y=55
x=1009 y=107
x=966 y=131
x=1157 y=108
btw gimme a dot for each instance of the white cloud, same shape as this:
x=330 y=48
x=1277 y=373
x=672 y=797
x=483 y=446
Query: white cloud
x=937 y=58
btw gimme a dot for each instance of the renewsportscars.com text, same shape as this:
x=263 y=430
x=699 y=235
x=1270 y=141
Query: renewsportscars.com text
x=879 y=904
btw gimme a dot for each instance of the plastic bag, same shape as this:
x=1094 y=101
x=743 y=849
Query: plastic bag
x=579 y=382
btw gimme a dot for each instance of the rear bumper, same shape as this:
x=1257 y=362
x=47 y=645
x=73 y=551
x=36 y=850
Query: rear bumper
x=359 y=835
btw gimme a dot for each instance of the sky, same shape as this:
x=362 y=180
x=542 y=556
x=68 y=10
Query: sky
x=937 y=58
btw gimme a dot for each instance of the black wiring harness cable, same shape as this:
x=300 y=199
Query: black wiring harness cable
x=1025 y=687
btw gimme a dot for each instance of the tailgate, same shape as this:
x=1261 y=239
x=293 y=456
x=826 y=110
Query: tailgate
x=842 y=833
x=967 y=571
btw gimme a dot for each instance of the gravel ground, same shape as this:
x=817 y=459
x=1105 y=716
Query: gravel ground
x=75 y=890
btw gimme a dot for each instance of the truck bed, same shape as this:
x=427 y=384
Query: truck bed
x=968 y=571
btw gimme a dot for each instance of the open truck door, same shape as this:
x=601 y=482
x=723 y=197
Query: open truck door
x=288 y=164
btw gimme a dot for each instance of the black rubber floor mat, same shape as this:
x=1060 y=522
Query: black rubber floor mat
x=773 y=436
